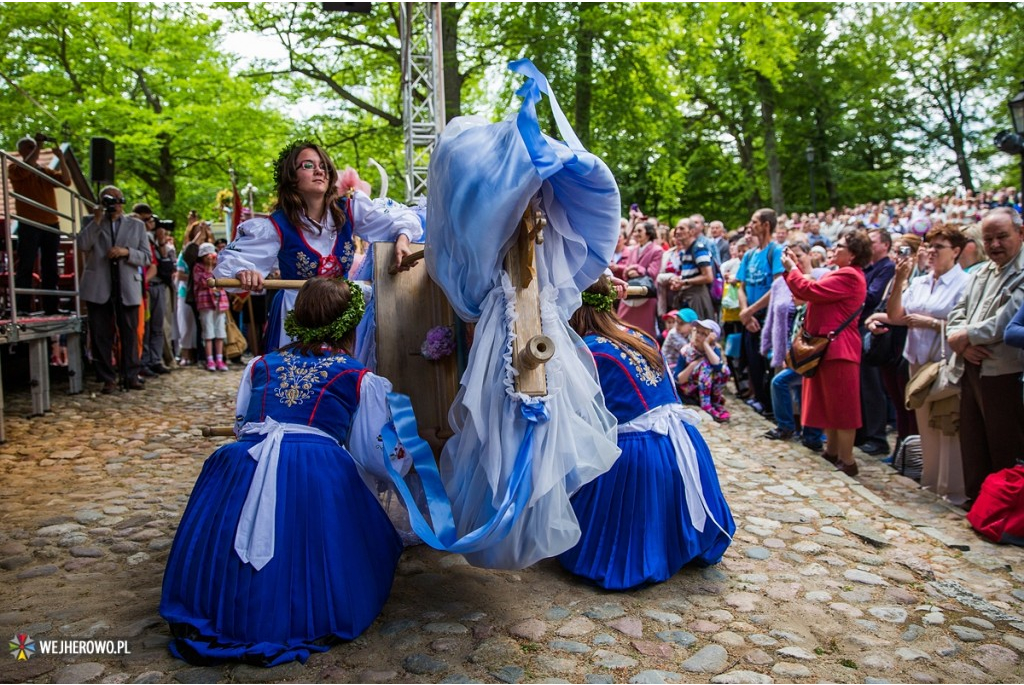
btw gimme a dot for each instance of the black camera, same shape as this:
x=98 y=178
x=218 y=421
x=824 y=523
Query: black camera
x=1009 y=142
x=110 y=203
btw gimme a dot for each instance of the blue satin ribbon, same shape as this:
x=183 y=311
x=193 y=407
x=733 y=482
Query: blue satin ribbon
x=547 y=158
x=443 y=534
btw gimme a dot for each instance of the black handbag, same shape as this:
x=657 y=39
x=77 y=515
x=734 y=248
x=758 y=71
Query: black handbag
x=884 y=349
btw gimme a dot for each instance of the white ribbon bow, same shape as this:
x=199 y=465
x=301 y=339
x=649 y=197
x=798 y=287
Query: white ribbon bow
x=668 y=420
x=254 y=536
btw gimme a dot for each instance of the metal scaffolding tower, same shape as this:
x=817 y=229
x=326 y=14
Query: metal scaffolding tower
x=422 y=91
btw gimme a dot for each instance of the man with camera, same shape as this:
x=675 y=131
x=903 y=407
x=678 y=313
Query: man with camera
x=32 y=239
x=158 y=283
x=116 y=249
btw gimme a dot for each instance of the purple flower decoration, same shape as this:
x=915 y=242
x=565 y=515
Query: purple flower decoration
x=439 y=343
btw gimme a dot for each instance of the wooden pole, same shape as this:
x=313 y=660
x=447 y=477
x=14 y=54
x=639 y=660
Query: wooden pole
x=269 y=284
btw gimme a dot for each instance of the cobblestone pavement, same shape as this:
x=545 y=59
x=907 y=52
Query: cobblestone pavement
x=829 y=578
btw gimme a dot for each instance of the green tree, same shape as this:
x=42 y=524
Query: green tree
x=957 y=56
x=150 y=78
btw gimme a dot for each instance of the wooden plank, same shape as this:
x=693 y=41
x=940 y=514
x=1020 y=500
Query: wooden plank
x=408 y=304
x=529 y=333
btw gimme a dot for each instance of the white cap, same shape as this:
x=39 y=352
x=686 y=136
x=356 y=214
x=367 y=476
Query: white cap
x=711 y=326
x=207 y=248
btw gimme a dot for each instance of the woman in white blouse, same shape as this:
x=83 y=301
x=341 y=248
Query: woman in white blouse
x=310 y=232
x=923 y=308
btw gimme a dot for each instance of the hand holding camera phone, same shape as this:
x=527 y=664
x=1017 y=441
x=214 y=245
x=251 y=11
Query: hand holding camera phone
x=905 y=251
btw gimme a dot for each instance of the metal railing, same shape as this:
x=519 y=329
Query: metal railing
x=78 y=206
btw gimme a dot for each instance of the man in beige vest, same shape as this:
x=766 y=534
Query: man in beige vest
x=991 y=406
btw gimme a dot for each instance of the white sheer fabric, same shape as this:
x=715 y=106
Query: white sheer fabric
x=577 y=444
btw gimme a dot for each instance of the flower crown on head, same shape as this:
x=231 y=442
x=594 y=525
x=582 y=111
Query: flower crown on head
x=283 y=155
x=602 y=303
x=335 y=330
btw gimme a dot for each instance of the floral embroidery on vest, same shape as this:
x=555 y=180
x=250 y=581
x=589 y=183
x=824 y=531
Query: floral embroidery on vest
x=304 y=267
x=298 y=378
x=643 y=370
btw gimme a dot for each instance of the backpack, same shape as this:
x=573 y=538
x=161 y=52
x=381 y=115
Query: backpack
x=909 y=460
x=998 y=513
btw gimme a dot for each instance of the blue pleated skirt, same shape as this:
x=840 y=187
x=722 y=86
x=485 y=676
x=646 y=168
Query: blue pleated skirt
x=635 y=526
x=274 y=327
x=334 y=559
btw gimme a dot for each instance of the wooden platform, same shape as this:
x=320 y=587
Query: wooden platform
x=36 y=331
x=409 y=304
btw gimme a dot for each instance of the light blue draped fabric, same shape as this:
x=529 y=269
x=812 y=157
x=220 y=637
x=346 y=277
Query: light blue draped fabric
x=443 y=534
x=501 y=496
x=483 y=177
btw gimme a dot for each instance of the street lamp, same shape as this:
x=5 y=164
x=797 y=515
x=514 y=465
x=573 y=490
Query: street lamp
x=810 y=172
x=1017 y=111
x=1017 y=115
x=250 y=190
x=1010 y=142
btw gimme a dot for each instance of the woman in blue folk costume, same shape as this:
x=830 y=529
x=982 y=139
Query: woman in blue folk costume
x=283 y=548
x=310 y=231
x=660 y=506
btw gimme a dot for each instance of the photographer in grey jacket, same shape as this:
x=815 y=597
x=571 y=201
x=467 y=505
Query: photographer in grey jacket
x=116 y=250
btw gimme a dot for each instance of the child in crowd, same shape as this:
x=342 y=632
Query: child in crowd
x=678 y=335
x=702 y=373
x=212 y=304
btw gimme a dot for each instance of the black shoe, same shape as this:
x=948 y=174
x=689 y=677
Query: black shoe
x=779 y=434
x=850 y=469
x=159 y=369
x=146 y=373
x=812 y=446
x=136 y=385
x=875 y=449
x=109 y=387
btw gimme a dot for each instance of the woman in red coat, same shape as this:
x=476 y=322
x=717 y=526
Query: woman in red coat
x=643 y=259
x=830 y=301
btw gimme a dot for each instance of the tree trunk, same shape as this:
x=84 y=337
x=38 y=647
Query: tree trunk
x=770 y=152
x=584 y=72
x=957 y=132
x=450 y=15
x=165 y=187
x=747 y=164
x=826 y=167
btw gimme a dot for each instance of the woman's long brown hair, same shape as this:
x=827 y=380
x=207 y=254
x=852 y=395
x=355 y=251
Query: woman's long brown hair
x=288 y=199
x=587 y=320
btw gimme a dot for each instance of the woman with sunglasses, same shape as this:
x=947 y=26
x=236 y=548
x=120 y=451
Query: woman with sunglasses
x=310 y=233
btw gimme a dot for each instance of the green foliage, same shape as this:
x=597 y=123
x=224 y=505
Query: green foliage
x=696 y=107
x=150 y=78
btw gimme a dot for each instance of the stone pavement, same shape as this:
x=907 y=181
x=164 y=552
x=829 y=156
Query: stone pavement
x=829 y=578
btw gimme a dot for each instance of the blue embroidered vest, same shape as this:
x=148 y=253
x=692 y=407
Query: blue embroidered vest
x=630 y=385
x=322 y=392
x=298 y=261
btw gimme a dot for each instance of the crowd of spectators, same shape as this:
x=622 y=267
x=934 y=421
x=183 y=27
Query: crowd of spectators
x=917 y=294
x=165 y=309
